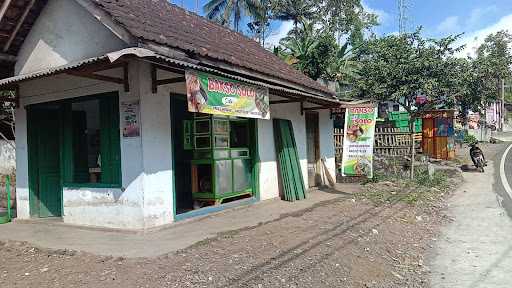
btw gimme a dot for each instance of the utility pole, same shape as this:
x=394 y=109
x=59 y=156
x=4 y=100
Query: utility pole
x=502 y=114
x=402 y=16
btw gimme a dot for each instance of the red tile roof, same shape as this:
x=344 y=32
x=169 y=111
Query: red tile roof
x=166 y=24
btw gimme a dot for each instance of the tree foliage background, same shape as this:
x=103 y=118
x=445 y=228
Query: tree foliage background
x=324 y=36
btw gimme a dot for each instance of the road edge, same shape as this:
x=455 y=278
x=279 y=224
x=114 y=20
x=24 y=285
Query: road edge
x=503 y=176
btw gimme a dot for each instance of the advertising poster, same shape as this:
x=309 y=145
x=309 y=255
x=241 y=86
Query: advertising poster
x=358 y=142
x=215 y=95
x=130 y=118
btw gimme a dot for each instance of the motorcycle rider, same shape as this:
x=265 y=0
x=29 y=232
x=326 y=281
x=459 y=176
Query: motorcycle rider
x=475 y=150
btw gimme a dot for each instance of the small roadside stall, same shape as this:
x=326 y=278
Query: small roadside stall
x=129 y=122
x=439 y=134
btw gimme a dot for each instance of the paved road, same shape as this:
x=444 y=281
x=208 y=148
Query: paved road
x=475 y=250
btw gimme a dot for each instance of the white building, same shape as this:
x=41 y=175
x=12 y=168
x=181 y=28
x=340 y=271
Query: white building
x=103 y=134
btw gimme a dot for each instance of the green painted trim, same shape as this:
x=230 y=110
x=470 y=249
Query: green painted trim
x=256 y=159
x=211 y=196
x=212 y=209
x=173 y=164
x=65 y=162
x=90 y=185
x=31 y=159
x=8 y=188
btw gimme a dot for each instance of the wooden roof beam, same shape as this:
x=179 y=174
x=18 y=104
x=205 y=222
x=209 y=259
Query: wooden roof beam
x=4 y=8
x=285 y=101
x=91 y=75
x=18 y=25
x=7 y=58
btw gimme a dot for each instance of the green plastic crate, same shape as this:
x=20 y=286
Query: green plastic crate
x=393 y=116
x=403 y=123
x=404 y=116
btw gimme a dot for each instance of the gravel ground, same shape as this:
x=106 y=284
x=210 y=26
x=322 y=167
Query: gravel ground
x=345 y=243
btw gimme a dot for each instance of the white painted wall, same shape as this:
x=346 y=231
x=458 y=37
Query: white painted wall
x=64 y=32
x=145 y=199
x=156 y=150
x=22 y=193
x=114 y=208
x=269 y=180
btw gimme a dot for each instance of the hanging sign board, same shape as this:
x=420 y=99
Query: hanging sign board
x=130 y=119
x=358 y=141
x=220 y=96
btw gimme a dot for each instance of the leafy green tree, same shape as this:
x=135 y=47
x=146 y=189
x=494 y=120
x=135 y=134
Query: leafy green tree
x=492 y=64
x=398 y=68
x=225 y=11
x=326 y=33
x=346 y=17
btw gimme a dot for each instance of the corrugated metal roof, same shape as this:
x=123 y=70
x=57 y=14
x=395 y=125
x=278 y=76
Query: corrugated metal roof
x=148 y=55
x=51 y=71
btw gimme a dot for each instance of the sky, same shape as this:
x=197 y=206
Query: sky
x=439 y=18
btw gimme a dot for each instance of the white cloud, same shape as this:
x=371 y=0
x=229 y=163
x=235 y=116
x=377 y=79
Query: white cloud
x=478 y=14
x=449 y=25
x=474 y=39
x=280 y=33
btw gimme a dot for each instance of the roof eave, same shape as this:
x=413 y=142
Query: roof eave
x=151 y=56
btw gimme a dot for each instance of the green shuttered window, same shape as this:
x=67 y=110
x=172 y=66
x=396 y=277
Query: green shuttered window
x=91 y=142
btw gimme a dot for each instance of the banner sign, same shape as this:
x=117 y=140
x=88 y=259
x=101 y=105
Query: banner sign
x=357 y=159
x=215 y=95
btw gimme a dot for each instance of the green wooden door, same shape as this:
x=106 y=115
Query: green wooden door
x=44 y=159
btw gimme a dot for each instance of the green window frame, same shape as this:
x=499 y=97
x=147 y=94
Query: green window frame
x=110 y=146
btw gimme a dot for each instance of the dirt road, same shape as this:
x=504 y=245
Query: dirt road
x=345 y=243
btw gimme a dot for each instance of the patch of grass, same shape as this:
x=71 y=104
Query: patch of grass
x=424 y=189
x=469 y=138
x=377 y=177
x=437 y=180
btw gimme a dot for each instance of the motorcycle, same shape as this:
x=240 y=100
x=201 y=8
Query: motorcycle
x=477 y=156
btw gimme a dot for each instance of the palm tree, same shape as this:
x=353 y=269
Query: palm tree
x=343 y=68
x=223 y=11
x=298 y=11
x=299 y=48
x=261 y=21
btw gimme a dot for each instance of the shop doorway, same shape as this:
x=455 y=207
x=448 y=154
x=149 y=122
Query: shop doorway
x=214 y=159
x=44 y=137
x=313 y=148
x=182 y=156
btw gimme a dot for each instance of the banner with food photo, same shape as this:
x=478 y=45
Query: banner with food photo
x=357 y=159
x=221 y=96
